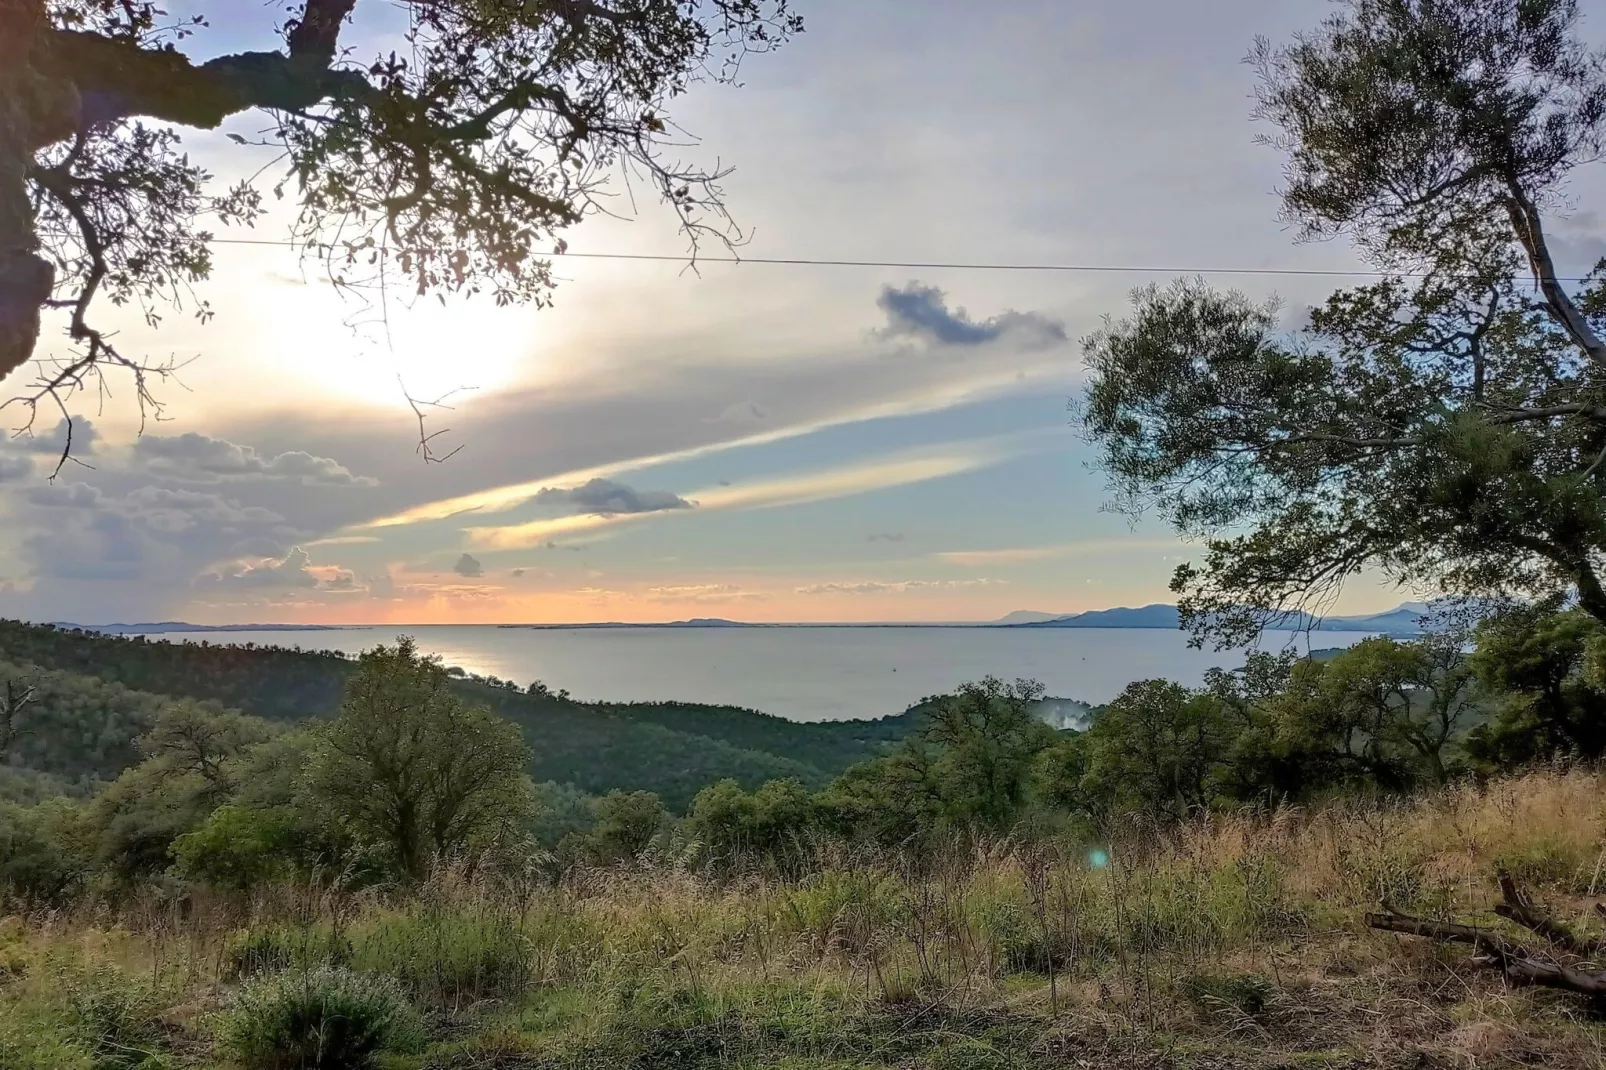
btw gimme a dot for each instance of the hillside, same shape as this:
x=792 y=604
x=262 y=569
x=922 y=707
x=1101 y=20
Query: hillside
x=1403 y=620
x=674 y=749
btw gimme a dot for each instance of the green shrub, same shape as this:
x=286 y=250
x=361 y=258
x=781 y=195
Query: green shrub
x=42 y=850
x=239 y=848
x=326 y=1018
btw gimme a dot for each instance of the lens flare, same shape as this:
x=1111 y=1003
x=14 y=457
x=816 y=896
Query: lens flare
x=1098 y=858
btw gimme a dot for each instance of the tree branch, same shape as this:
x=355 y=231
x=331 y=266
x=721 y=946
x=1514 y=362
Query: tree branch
x=1525 y=220
x=1495 y=951
x=1520 y=908
x=315 y=35
x=117 y=79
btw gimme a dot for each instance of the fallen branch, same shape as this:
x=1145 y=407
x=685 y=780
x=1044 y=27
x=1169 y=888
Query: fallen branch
x=1519 y=907
x=1494 y=950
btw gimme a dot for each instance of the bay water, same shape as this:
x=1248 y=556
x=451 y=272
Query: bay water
x=798 y=672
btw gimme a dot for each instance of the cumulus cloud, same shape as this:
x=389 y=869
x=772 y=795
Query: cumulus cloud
x=922 y=312
x=605 y=497
x=14 y=468
x=469 y=567
x=153 y=533
x=52 y=442
x=292 y=571
x=900 y=587
x=202 y=458
x=63 y=496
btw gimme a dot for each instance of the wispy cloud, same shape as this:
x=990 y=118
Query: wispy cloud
x=982 y=382
x=1022 y=554
x=705 y=593
x=899 y=587
x=793 y=489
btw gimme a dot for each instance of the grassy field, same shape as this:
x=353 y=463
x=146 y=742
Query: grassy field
x=1233 y=942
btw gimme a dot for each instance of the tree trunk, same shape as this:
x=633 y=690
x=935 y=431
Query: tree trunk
x=26 y=278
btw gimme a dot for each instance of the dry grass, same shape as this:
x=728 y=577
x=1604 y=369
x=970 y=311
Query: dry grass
x=1230 y=942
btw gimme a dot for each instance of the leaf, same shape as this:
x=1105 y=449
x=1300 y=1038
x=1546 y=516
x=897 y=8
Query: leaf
x=237 y=139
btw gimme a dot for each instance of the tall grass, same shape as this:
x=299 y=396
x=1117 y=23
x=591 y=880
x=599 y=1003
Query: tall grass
x=1220 y=921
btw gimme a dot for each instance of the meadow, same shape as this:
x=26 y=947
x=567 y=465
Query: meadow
x=1230 y=940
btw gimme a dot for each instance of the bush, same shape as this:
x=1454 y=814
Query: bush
x=239 y=848
x=322 y=1019
x=42 y=856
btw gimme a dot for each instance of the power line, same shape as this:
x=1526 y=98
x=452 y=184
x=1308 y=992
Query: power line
x=950 y=265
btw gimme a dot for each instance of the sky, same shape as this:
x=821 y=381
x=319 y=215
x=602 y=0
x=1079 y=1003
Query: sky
x=754 y=442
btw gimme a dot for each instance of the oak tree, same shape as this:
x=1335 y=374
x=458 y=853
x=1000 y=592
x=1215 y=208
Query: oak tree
x=1444 y=426
x=449 y=160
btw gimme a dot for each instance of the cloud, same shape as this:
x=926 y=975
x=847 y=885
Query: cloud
x=918 y=311
x=792 y=489
x=901 y=587
x=202 y=458
x=516 y=573
x=604 y=497
x=15 y=468
x=885 y=536
x=742 y=414
x=469 y=566
x=84 y=437
x=293 y=571
x=704 y=592
x=63 y=496
x=152 y=533
x=1020 y=554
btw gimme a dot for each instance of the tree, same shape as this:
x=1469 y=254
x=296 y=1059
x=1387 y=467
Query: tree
x=1444 y=426
x=626 y=823
x=201 y=740
x=410 y=767
x=986 y=737
x=188 y=771
x=772 y=823
x=1158 y=748
x=1444 y=699
x=16 y=698
x=449 y=164
x=1266 y=764
x=1539 y=657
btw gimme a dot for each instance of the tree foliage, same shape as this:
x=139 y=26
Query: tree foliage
x=410 y=767
x=1541 y=660
x=1444 y=426
x=448 y=162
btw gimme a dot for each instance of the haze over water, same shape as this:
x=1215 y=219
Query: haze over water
x=801 y=673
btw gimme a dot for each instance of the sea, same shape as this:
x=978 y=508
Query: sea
x=798 y=672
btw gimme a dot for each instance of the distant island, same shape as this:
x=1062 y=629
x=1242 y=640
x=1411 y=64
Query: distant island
x=163 y=627
x=1403 y=620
